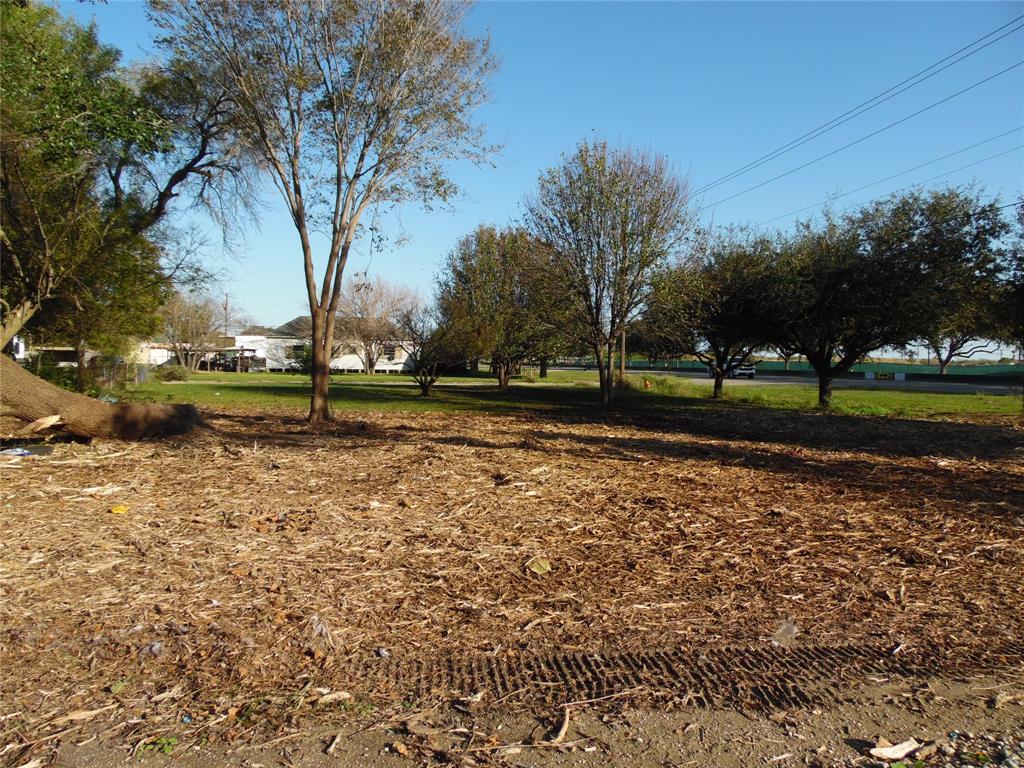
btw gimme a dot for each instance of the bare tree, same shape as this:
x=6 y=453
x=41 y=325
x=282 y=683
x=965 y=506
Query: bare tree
x=370 y=308
x=345 y=105
x=193 y=328
x=427 y=337
x=611 y=217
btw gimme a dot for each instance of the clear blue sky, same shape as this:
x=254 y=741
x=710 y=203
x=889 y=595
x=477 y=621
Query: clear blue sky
x=711 y=85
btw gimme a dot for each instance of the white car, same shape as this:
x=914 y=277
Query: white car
x=747 y=370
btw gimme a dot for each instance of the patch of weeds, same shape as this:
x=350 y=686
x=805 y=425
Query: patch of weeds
x=752 y=398
x=863 y=410
x=164 y=745
x=661 y=385
x=358 y=707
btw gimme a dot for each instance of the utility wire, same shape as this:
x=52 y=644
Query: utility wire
x=951 y=217
x=865 y=106
x=910 y=170
x=870 y=135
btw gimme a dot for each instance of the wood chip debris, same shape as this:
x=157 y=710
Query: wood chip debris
x=241 y=582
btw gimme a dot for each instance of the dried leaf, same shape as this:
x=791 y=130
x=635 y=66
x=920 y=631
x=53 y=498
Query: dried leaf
x=539 y=565
x=896 y=752
x=81 y=715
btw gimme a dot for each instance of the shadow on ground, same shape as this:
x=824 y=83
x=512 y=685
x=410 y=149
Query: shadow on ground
x=700 y=417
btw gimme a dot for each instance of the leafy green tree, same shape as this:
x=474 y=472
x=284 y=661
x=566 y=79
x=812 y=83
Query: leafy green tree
x=1011 y=294
x=62 y=108
x=494 y=289
x=92 y=158
x=109 y=306
x=720 y=305
x=967 y=233
x=876 y=278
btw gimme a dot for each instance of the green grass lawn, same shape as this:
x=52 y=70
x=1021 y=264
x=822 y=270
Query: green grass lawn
x=561 y=391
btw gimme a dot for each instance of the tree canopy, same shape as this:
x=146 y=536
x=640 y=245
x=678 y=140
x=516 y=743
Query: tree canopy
x=93 y=156
x=496 y=291
x=720 y=304
x=611 y=218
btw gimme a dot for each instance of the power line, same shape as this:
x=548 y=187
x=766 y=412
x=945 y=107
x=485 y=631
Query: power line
x=870 y=135
x=911 y=170
x=865 y=106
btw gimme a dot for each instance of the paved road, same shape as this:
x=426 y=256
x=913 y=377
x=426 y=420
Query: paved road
x=944 y=387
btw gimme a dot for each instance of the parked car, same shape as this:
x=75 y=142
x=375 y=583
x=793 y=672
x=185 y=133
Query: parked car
x=746 y=370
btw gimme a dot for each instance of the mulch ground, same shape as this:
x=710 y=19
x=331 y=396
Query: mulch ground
x=240 y=579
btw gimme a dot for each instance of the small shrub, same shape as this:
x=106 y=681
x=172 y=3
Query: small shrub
x=46 y=369
x=172 y=373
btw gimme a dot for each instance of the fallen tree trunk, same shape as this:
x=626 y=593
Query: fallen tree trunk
x=30 y=398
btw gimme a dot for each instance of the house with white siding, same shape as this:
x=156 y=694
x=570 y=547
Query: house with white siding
x=281 y=349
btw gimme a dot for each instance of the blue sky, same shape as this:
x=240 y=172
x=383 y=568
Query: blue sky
x=711 y=85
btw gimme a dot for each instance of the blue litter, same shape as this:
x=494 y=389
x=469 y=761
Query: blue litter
x=15 y=452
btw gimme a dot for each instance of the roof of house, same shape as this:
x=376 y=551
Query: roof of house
x=258 y=330
x=300 y=327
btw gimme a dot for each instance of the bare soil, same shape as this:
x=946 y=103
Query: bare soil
x=243 y=584
x=627 y=737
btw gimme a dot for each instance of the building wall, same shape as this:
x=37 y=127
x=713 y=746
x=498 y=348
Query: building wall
x=281 y=352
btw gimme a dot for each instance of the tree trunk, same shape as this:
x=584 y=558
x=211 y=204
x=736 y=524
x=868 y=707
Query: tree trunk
x=543 y=367
x=603 y=378
x=504 y=371
x=320 y=404
x=785 y=363
x=80 y=379
x=824 y=391
x=425 y=386
x=719 y=381
x=607 y=394
x=29 y=398
x=622 y=357
x=15 y=320
x=320 y=352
